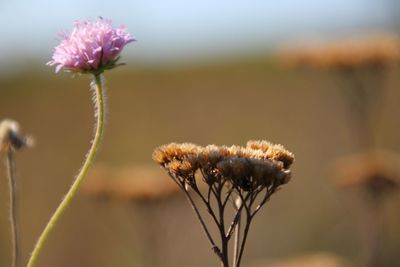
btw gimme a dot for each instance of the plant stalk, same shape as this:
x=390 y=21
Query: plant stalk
x=99 y=114
x=12 y=183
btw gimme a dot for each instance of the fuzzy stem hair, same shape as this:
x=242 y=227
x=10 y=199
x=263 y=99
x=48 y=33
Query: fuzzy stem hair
x=99 y=104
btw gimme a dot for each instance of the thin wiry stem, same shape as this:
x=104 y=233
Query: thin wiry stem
x=245 y=234
x=181 y=185
x=214 y=247
x=99 y=114
x=207 y=203
x=11 y=172
x=228 y=195
x=238 y=206
x=221 y=226
x=268 y=194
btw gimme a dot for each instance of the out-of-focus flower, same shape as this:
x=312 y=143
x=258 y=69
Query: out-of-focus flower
x=375 y=171
x=92 y=46
x=321 y=259
x=11 y=137
x=128 y=183
x=381 y=50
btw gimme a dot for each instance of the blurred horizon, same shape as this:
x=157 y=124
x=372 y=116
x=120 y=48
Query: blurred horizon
x=182 y=33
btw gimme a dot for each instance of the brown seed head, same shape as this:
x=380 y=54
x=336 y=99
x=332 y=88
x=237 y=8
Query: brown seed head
x=181 y=168
x=259 y=164
x=272 y=151
x=166 y=153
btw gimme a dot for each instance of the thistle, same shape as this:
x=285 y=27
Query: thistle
x=92 y=47
x=241 y=177
x=11 y=140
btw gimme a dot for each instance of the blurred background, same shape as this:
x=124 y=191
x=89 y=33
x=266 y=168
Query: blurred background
x=208 y=72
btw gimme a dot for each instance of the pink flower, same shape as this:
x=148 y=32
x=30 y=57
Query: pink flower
x=92 y=46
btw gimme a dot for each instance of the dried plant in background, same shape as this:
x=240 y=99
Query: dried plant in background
x=141 y=192
x=345 y=54
x=308 y=260
x=12 y=140
x=243 y=177
x=375 y=172
x=360 y=66
x=375 y=175
x=128 y=183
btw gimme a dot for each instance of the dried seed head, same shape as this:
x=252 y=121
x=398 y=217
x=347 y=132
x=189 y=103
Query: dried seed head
x=10 y=136
x=272 y=151
x=224 y=167
x=210 y=155
x=181 y=168
x=164 y=154
x=260 y=164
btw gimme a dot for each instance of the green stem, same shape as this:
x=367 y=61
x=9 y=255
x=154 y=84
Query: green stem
x=13 y=207
x=99 y=106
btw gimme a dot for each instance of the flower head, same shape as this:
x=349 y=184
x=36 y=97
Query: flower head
x=92 y=46
x=11 y=137
x=258 y=165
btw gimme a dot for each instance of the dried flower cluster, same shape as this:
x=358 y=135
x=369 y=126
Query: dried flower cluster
x=129 y=183
x=92 y=46
x=347 y=54
x=375 y=171
x=244 y=176
x=260 y=164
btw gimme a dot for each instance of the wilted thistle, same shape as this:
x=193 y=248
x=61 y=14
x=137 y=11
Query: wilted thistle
x=360 y=66
x=244 y=177
x=92 y=47
x=12 y=140
x=375 y=175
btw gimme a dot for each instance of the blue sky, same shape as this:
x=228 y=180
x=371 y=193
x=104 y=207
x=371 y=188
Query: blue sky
x=179 y=30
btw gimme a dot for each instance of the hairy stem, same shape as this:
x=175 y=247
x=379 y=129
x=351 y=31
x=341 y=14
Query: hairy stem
x=13 y=207
x=99 y=114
